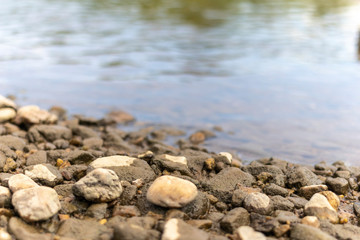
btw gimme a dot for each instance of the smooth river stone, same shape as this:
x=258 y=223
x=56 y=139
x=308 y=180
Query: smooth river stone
x=100 y=185
x=171 y=192
x=36 y=204
x=7 y=114
x=112 y=161
x=320 y=207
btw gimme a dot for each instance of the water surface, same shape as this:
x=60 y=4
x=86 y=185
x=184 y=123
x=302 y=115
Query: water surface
x=282 y=75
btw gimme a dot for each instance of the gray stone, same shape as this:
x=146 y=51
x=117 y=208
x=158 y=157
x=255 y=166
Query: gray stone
x=36 y=204
x=80 y=157
x=338 y=185
x=285 y=216
x=305 y=232
x=235 y=218
x=199 y=207
x=84 y=132
x=127 y=231
x=176 y=229
x=61 y=144
x=258 y=203
x=169 y=191
x=84 y=230
x=301 y=176
x=49 y=133
x=278 y=176
x=97 y=210
x=273 y=189
x=5 y=197
x=64 y=190
x=45 y=174
x=343 y=174
x=100 y=185
x=281 y=203
x=12 y=142
x=24 y=231
x=341 y=231
x=223 y=184
x=93 y=142
x=36 y=158
x=308 y=191
x=298 y=202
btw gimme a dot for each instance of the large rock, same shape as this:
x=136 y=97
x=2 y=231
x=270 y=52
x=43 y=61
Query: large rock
x=176 y=229
x=127 y=168
x=305 y=232
x=320 y=207
x=36 y=204
x=301 y=176
x=100 y=185
x=83 y=230
x=338 y=185
x=169 y=191
x=223 y=184
x=49 y=133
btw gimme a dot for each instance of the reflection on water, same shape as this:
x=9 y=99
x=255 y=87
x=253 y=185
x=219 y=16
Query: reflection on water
x=282 y=75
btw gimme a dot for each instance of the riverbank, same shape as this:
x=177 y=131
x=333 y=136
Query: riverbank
x=86 y=178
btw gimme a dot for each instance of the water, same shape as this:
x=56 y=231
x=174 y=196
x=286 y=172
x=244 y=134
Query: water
x=282 y=76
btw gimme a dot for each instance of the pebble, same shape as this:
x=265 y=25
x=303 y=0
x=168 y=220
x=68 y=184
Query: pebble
x=175 y=159
x=338 y=185
x=20 y=181
x=36 y=204
x=258 y=202
x=45 y=174
x=332 y=198
x=83 y=230
x=301 y=176
x=197 y=138
x=311 y=221
x=234 y=219
x=5 y=197
x=308 y=191
x=7 y=114
x=6 y=102
x=34 y=115
x=112 y=161
x=320 y=207
x=227 y=155
x=100 y=185
x=176 y=229
x=169 y=191
x=36 y=158
x=273 y=189
x=248 y=233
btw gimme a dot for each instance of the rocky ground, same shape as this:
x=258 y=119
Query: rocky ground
x=85 y=178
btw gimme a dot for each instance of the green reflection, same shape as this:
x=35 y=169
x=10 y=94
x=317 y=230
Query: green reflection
x=213 y=12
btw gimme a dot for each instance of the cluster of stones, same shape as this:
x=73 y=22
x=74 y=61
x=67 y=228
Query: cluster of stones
x=84 y=178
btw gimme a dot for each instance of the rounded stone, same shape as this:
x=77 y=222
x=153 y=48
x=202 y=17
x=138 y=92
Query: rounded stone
x=7 y=114
x=173 y=192
x=320 y=207
x=5 y=197
x=36 y=204
x=258 y=202
x=112 y=161
x=34 y=115
x=21 y=181
x=311 y=221
x=100 y=185
x=248 y=233
x=332 y=198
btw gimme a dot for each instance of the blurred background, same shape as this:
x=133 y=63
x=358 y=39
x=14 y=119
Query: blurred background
x=281 y=76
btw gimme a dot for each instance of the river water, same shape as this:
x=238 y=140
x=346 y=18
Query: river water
x=281 y=76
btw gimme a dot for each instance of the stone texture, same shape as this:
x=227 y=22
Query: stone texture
x=7 y=114
x=301 y=176
x=320 y=207
x=36 y=204
x=83 y=230
x=20 y=181
x=223 y=184
x=24 y=231
x=5 y=197
x=277 y=175
x=34 y=115
x=305 y=232
x=127 y=231
x=273 y=189
x=169 y=191
x=176 y=229
x=36 y=158
x=338 y=185
x=100 y=185
x=14 y=143
x=248 y=233
x=49 y=133
x=258 y=203
x=235 y=218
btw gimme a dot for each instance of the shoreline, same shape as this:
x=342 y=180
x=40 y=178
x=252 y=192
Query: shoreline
x=86 y=178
